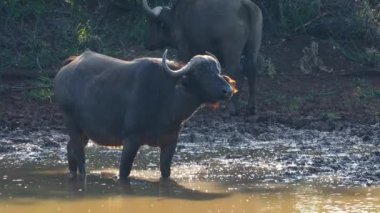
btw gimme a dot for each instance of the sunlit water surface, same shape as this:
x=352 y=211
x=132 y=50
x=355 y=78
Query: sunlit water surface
x=49 y=190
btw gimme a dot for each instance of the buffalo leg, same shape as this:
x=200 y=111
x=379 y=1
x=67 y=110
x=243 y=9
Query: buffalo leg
x=251 y=52
x=252 y=91
x=76 y=155
x=251 y=72
x=166 y=157
x=233 y=68
x=130 y=148
x=75 y=149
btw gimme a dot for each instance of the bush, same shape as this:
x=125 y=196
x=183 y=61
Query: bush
x=37 y=35
x=311 y=61
x=353 y=25
x=324 y=17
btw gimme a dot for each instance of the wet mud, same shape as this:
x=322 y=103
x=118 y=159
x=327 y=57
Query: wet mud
x=214 y=146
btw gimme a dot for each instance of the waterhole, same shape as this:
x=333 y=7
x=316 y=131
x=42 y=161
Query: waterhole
x=271 y=168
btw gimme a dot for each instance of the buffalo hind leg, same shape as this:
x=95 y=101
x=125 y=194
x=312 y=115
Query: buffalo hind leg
x=130 y=148
x=166 y=157
x=75 y=149
x=76 y=157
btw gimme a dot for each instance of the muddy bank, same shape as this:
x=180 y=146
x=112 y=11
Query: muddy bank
x=217 y=147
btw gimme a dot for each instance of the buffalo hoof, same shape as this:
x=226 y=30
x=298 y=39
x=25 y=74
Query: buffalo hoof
x=234 y=110
x=125 y=181
x=78 y=181
x=72 y=176
x=251 y=110
x=234 y=113
x=165 y=179
x=167 y=183
x=123 y=178
x=165 y=175
x=75 y=176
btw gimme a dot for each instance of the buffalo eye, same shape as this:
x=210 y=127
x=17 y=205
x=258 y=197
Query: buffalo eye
x=185 y=81
x=163 y=26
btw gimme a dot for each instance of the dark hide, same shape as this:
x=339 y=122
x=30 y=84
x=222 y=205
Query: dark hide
x=230 y=29
x=131 y=103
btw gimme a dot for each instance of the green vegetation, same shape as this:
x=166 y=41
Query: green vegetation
x=311 y=61
x=331 y=116
x=366 y=91
x=42 y=90
x=364 y=55
x=295 y=13
x=354 y=26
x=37 y=35
x=266 y=66
x=326 y=18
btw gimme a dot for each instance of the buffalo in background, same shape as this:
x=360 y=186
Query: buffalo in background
x=230 y=29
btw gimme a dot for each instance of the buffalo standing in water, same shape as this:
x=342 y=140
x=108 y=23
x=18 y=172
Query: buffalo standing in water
x=132 y=103
x=229 y=29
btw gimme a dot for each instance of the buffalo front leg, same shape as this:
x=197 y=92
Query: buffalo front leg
x=231 y=53
x=250 y=67
x=233 y=69
x=166 y=157
x=130 y=148
x=250 y=70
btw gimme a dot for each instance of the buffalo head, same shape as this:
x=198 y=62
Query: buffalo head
x=159 y=27
x=202 y=76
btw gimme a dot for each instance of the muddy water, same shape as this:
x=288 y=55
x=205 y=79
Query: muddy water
x=220 y=166
x=48 y=190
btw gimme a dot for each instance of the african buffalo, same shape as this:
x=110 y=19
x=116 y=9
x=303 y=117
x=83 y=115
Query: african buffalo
x=131 y=103
x=230 y=29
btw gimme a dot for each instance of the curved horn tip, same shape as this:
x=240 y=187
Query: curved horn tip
x=216 y=58
x=145 y=4
x=164 y=56
x=165 y=53
x=151 y=12
x=210 y=54
x=167 y=68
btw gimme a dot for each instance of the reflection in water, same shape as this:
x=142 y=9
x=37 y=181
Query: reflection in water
x=56 y=185
x=51 y=191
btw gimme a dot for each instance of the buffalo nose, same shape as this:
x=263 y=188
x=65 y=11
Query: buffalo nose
x=227 y=92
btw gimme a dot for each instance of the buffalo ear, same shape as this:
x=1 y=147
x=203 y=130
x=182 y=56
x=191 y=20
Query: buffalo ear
x=231 y=82
x=164 y=16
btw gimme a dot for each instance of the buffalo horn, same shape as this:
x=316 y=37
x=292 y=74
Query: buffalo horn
x=176 y=73
x=216 y=59
x=151 y=12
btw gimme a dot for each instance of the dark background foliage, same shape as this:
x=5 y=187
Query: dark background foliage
x=36 y=35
